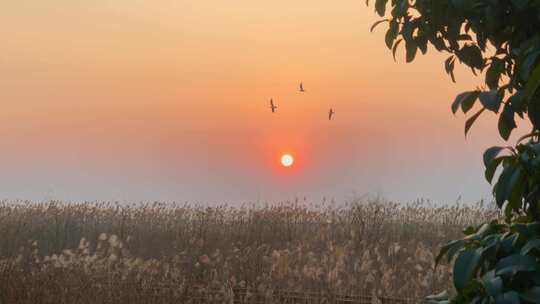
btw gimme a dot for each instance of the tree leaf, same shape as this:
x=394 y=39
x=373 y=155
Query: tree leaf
x=443 y=295
x=469 y=123
x=391 y=34
x=532 y=244
x=493 y=284
x=527 y=231
x=493 y=73
x=529 y=135
x=458 y=100
x=471 y=55
x=532 y=295
x=492 y=153
x=400 y=8
x=421 y=42
x=517 y=102
x=528 y=64
x=394 y=49
x=534 y=82
x=507 y=122
x=491 y=168
x=411 y=48
x=465 y=267
x=505 y=184
x=510 y=297
x=449 y=67
x=459 y=4
x=469 y=100
x=491 y=100
x=455 y=245
x=515 y=263
x=380 y=7
x=533 y=111
x=520 y=4
x=377 y=23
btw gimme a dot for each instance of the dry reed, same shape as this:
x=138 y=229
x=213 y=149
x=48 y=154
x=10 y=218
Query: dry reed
x=161 y=253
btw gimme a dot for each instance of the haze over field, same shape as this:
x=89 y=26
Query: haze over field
x=168 y=100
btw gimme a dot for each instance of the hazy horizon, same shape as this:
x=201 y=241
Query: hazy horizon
x=168 y=101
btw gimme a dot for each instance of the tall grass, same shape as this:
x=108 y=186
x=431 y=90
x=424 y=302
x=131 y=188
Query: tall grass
x=104 y=252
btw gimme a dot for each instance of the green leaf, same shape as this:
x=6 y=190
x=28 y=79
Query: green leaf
x=464 y=37
x=465 y=100
x=528 y=64
x=529 y=135
x=459 y=4
x=449 y=67
x=493 y=73
x=400 y=8
x=451 y=246
x=380 y=7
x=479 y=232
x=421 y=42
x=492 y=245
x=391 y=34
x=447 y=63
x=492 y=19
x=377 y=23
x=491 y=100
x=522 y=229
x=441 y=296
x=515 y=263
x=492 y=168
x=532 y=295
x=468 y=101
x=458 y=100
x=411 y=48
x=533 y=82
x=510 y=297
x=481 y=40
x=506 y=183
x=532 y=244
x=407 y=31
x=471 y=55
x=492 y=153
x=517 y=102
x=533 y=111
x=520 y=4
x=438 y=43
x=470 y=230
x=394 y=49
x=469 y=123
x=508 y=243
x=535 y=148
x=507 y=122
x=516 y=196
x=465 y=267
x=493 y=284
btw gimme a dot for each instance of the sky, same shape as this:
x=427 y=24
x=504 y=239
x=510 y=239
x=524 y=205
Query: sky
x=168 y=100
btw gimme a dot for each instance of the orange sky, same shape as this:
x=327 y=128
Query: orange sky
x=167 y=100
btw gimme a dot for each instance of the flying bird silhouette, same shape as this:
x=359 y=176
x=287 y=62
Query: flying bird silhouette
x=330 y=114
x=273 y=106
x=301 y=87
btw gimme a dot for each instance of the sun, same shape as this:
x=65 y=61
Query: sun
x=287 y=160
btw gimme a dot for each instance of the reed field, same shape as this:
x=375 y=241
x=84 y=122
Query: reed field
x=165 y=253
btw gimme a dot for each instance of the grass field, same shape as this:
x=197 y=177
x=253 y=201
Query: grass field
x=109 y=253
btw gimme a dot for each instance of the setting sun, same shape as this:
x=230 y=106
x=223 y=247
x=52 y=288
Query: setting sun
x=287 y=160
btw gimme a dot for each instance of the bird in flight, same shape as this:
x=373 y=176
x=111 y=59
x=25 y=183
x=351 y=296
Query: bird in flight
x=301 y=87
x=273 y=106
x=330 y=114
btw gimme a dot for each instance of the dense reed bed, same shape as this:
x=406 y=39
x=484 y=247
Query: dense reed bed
x=110 y=253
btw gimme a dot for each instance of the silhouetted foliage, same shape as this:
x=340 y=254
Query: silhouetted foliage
x=496 y=262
